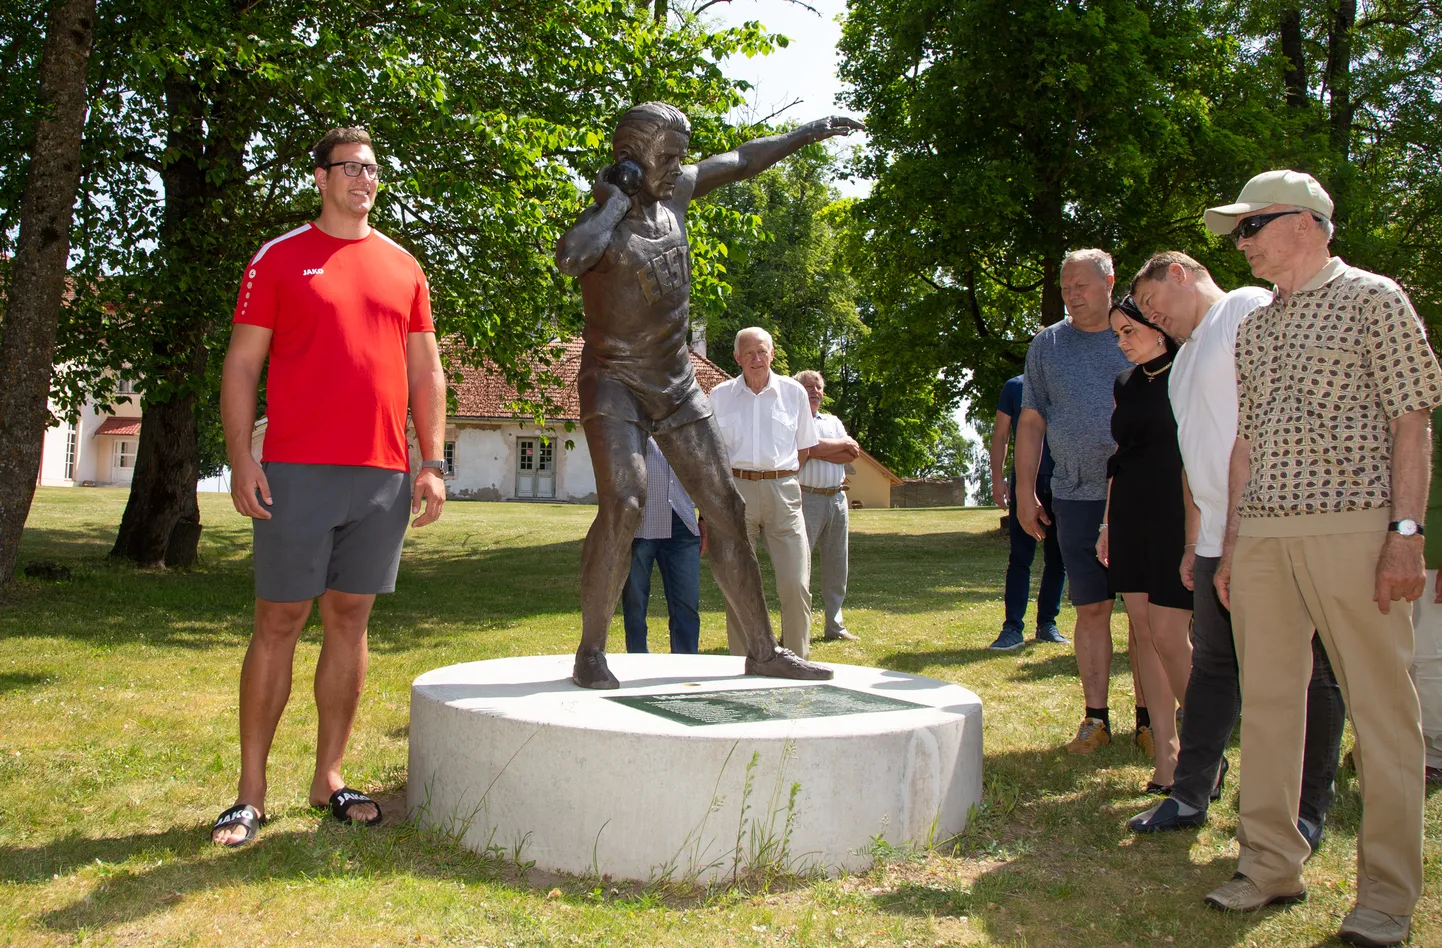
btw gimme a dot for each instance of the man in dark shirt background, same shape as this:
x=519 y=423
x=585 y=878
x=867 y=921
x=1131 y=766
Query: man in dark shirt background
x=1023 y=544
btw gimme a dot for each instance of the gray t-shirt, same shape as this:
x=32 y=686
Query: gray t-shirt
x=1069 y=376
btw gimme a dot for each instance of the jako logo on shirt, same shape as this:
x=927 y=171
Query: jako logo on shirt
x=314 y=271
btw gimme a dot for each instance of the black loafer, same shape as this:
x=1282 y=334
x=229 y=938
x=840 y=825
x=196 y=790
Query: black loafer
x=1167 y=816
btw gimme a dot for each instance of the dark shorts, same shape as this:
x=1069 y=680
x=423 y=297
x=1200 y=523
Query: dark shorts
x=1078 y=524
x=331 y=526
x=668 y=401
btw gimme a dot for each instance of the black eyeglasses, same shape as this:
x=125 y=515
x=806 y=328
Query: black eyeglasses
x=353 y=169
x=1251 y=226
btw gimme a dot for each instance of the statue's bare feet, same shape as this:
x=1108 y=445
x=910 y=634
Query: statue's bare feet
x=785 y=663
x=591 y=670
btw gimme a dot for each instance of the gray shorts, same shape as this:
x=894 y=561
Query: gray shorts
x=331 y=526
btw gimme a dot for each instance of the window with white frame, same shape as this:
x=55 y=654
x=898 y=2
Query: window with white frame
x=125 y=387
x=72 y=445
x=450 y=458
x=125 y=454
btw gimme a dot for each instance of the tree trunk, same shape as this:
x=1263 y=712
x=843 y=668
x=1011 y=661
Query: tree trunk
x=27 y=336
x=1339 y=76
x=161 y=523
x=1290 y=34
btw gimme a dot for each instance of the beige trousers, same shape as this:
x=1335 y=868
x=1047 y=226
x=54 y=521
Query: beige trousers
x=1320 y=573
x=1427 y=666
x=773 y=510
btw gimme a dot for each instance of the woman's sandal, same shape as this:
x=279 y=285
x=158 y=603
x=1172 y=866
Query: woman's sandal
x=243 y=815
x=1221 y=778
x=1158 y=789
x=343 y=800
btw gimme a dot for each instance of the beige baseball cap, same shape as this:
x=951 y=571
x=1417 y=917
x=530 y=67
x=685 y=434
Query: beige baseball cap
x=1266 y=189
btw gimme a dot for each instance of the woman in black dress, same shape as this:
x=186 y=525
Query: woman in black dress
x=1144 y=533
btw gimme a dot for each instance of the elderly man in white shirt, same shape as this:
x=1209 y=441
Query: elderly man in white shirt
x=824 y=504
x=766 y=422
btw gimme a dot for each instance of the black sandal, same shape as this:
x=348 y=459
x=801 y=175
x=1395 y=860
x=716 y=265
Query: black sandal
x=345 y=798
x=1221 y=778
x=1158 y=789
x=243 y=815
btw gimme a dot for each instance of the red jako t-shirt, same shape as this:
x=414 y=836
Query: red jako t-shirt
x=340 y=311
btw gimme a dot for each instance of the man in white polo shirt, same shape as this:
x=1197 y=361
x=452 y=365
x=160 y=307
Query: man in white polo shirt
x=824 y=504
x=1178 y=293
x=766 y=423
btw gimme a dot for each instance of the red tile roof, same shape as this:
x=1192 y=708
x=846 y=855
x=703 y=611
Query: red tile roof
x=117 y=425
x=482 y=392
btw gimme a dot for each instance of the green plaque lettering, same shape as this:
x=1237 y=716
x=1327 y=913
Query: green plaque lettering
x=751 y=705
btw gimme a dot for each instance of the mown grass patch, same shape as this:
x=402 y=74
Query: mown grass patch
x=117 y=747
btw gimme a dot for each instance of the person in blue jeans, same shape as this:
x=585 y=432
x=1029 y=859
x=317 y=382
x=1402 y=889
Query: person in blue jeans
x=673 y=538
x=1023 y=544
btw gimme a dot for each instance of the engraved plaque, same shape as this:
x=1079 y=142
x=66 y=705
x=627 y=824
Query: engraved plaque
x=750 y=705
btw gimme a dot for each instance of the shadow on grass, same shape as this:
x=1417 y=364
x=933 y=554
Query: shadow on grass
x=111 y=602
x=1093 y=882
x=14 y=681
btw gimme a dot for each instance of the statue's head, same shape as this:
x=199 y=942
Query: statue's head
x=655 y=136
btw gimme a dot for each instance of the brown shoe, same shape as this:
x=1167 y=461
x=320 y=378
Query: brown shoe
x=1092 y=734
x=840 y=636
x=1364 y=926
x=1242 y=895
x=1145 y=740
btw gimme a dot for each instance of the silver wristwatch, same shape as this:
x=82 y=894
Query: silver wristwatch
x=438 y=465
x=1406 y=527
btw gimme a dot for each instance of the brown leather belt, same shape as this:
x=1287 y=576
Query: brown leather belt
x=760 y=475
x=823 y=491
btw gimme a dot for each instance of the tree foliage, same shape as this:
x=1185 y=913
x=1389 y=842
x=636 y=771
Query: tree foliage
x=1004 y=134
x=486 y=116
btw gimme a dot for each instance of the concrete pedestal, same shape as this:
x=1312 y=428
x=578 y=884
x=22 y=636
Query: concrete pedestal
x=510 y=753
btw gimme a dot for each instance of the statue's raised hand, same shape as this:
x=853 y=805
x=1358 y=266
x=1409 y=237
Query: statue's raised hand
x=832 y=126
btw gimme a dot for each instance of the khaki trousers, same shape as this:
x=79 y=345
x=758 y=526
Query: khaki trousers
x=773 y=510
x=1427 y=667
x=1319 y=572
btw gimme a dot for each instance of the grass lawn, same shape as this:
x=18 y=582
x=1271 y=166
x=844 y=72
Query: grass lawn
x=117 y=749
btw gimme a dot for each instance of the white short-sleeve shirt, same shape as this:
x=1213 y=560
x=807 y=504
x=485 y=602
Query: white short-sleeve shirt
x=1203 y=389
x=816 y=472
x=764 y=431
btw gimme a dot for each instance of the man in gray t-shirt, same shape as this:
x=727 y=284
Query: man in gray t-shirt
x=1070 y=369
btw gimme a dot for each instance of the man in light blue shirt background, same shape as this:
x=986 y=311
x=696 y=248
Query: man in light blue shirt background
x=670 y=537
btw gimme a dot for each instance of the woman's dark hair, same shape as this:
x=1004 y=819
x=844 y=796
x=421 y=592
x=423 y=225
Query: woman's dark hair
x=1132 y=311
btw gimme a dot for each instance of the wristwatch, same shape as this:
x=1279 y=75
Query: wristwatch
x=438 y=465
x=1407 y=528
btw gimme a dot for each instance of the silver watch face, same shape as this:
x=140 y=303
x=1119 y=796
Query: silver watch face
x=1408 y=528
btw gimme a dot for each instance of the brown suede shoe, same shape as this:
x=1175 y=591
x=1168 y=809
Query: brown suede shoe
x=1092 y=734
x=1242 y=895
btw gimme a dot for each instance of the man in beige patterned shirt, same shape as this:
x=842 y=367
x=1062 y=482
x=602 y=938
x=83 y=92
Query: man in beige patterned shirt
x=1327 y=488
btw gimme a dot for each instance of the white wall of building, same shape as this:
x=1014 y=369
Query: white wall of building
x=487 y=462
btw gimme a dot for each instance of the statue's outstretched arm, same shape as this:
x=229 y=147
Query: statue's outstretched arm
x=759 y=154
x=581 y=247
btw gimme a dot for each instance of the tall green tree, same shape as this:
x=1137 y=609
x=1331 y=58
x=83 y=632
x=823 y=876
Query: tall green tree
x=486 y=114
x=36 y=282
x=1004 y=134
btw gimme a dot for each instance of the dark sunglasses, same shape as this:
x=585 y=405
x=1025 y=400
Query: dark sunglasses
x=1131 y=310
x=1251 y=226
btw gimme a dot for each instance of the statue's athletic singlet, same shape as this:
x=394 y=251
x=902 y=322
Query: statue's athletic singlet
x=635 y=365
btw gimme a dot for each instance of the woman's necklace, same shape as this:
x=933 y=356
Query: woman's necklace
x=1152 y=375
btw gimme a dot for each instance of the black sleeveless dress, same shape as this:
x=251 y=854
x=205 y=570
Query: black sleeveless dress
x=1147 y=522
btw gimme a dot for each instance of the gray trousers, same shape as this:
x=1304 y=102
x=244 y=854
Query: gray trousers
x=827 y=527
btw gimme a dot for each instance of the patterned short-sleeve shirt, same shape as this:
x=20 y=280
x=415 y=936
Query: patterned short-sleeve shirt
x=1320 y=377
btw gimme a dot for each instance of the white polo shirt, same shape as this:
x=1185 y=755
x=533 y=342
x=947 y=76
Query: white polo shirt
x=1203 y=388
x=764 y=431
x=816 y=472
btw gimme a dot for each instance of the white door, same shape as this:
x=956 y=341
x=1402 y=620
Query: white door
x=122 y=460
x=535 y=469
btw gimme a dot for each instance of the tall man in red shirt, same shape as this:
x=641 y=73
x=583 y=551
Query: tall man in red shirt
x=343 y=313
